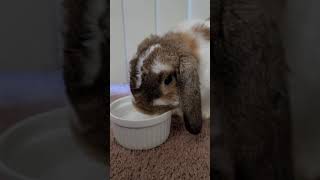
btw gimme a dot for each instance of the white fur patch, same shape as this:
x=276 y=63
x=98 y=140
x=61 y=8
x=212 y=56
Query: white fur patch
x=186 y=26
x=158 y=67
x=207 y=23
x=204 y=75
x=161 y=102
x=177 y=112
x=141 y=60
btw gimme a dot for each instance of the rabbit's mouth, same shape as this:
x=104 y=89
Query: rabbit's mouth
x=152 y=109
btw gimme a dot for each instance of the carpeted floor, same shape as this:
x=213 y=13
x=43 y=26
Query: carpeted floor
x=182 y=156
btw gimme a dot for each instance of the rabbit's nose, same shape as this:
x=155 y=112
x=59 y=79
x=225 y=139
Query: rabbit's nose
x=151 y=94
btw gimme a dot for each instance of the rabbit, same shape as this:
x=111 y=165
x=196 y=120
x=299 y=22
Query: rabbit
x=172 y=72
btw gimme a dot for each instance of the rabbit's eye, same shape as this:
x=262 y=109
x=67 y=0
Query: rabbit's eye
x=168 y=80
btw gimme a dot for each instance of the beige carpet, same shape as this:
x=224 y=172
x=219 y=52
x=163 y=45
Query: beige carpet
x=182 y=156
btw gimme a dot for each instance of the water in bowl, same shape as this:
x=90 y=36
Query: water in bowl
x=128 y=112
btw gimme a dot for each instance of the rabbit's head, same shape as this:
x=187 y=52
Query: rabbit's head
x=164 y=76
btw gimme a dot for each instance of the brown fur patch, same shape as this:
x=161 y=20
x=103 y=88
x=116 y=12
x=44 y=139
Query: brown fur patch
x=191 y=43
x=143 y=46
x=203 y=30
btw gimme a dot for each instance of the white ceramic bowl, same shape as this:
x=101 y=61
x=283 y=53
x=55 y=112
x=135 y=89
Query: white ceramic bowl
x=134 y=130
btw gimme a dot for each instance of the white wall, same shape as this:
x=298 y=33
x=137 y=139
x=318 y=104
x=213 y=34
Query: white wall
x=133 y=20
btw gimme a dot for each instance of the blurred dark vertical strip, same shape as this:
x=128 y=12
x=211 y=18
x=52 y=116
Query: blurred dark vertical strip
x=104 y=22
x=248 y=61
x=303 y=52
x=216 y=10
x=86 y=62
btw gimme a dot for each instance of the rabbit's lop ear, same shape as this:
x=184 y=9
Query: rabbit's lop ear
x=189 y=90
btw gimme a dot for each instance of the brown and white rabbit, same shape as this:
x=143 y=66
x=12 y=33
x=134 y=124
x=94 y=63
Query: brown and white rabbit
x=172 y=72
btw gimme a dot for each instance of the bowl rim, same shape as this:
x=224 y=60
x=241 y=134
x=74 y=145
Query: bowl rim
x=7 y=170
x=139 y=123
